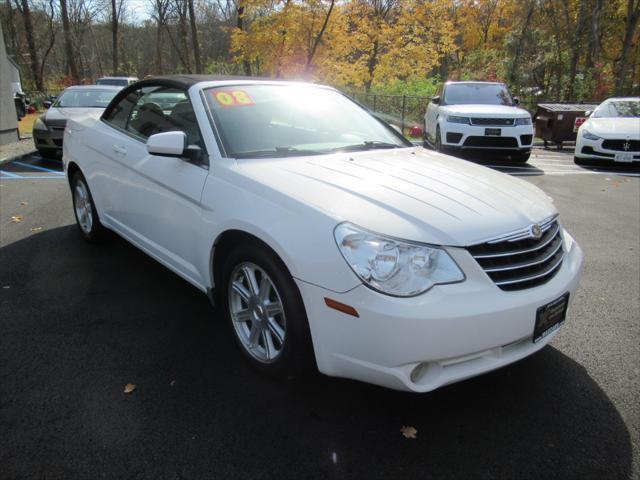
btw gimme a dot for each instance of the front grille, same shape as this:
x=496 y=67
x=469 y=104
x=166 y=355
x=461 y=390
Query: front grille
x=493 y=121
x=57 y=141
x=496 y=142
x=591 y=151
x=519 y=261
x=622 y=145
x=58 y=129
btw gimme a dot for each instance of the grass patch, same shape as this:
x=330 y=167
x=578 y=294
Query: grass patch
x=26 y=124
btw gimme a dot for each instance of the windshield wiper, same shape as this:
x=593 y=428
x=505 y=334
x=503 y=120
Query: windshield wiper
x=278 y=152
x=368 y=145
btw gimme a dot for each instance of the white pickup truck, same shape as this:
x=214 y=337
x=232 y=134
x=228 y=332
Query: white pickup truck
x=478 y=116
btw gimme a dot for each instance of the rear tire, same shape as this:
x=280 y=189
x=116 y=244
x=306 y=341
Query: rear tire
x=84 y=209
x=265 y=311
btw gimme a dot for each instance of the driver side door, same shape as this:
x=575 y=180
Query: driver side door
x=156 y=199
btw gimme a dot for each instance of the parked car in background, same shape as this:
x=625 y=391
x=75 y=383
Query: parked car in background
x=116 y=81
x=73 y=102
x=611 y=132
x=326 y=238
x=478 y=116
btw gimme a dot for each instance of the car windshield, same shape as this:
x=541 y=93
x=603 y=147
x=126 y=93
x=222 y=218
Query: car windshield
x=618 y=108
x=266 y=121
x=85 y=98
x=477 y=94
x=117 y=82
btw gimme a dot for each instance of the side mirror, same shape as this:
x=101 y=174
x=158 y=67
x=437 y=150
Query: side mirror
x=435 y=99
x=516 y=101
x=168 y=144
x=588 y=113
x=47 y=104
x=172 y=144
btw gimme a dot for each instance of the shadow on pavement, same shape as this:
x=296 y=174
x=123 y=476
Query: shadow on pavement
x=80 y=321
x=33 y=164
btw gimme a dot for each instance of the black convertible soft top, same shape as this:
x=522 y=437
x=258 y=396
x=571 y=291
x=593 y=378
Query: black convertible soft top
x=178 y=81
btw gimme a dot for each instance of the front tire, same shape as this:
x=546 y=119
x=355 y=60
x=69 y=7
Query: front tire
x=266 y=313
x=521 y=157
x=85 y=211
x=438 y=145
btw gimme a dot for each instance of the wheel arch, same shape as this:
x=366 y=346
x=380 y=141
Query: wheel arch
x=227 y=241
x=72 y=168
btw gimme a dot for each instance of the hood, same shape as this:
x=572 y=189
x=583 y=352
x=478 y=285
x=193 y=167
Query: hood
x=614 y=127
x=57 y=117
x=485 y=111
x=409 y=193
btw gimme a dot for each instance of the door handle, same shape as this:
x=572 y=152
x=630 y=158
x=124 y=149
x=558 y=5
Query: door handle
x=119 y=149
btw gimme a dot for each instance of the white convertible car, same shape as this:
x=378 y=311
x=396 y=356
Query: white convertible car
x=611 y=133
x=328 y=240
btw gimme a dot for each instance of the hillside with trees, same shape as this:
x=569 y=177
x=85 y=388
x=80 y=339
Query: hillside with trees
x=553 y=49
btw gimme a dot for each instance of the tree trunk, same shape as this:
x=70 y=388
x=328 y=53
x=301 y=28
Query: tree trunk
x=516 y=56
x=246 y=63
x=633 y=15
x=52 y=40
x=194 y=37
x=593 y=56
x=68 y=45
x=114 y=38
x=31 y=44
x=182 y=31
x=575 y=46
x=371 y=65
x=318 y=38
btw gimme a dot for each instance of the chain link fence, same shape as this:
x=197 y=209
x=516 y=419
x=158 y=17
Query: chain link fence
x=404 y=111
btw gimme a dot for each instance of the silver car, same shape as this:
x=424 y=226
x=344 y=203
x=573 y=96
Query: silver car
x=74 y=102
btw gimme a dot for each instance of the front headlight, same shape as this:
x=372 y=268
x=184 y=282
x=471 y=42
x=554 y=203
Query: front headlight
x=523 y=121
x=394 y=267
x=589 y=136
x=455 y=119
x=39 y=125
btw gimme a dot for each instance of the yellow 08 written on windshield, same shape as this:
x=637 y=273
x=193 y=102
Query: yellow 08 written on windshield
x=232 y=98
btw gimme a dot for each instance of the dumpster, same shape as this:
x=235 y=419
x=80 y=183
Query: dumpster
x=558 y=122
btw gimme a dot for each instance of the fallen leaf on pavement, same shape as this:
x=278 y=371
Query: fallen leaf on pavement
x=35 y=229
x=129 y=387
x=24 y=203
x=17 y=218
x=408 y=432
x=173 y=382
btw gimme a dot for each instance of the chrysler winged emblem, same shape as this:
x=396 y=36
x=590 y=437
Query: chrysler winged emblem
x=535 y=231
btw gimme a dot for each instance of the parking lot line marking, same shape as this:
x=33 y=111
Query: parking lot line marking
x=34 y=177
x=35 y=167
x=9 y=174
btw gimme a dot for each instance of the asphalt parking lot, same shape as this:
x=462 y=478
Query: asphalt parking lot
x=79 y=321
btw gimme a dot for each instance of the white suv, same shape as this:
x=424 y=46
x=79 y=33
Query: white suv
x=478 y=116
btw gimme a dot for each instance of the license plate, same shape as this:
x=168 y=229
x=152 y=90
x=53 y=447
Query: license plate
x=492 y=132
x=550 y=317
x=624 y=157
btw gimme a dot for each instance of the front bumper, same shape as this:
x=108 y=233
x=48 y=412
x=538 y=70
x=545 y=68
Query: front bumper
x=450 y=333
x=593 y=149
x=49 y=140
x=462 y=136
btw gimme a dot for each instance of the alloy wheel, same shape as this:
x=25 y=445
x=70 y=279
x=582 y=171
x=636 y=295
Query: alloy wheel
x=257 y=312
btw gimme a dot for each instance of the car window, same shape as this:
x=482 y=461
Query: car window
x=618 y=108
x=119 y=113
x=85 y=98
x=161 y=109
x=276 y=120
x=477 y=94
